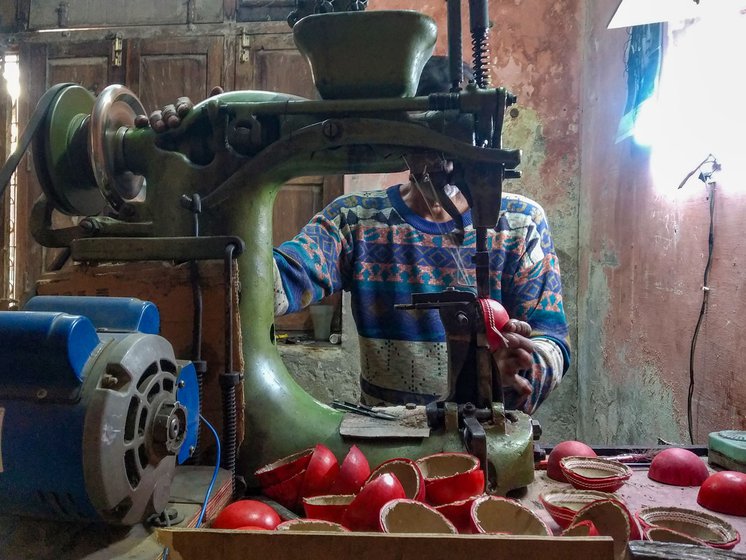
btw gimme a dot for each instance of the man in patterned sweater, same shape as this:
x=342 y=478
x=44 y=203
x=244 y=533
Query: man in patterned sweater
x=383 y=246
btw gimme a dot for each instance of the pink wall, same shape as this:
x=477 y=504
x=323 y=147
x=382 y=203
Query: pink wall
x=642 y=255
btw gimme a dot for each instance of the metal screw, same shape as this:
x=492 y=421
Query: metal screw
x=41 y=394
x=514 y=112
x=173 y=427
x=331 y=129
x=181 y=384
x=89 y=226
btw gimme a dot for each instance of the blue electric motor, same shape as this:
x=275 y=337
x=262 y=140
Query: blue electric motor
x=95 y=410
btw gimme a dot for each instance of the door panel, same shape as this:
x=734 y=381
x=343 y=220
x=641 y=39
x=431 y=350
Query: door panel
x=51 y=14
x=90 y=72
x=261 y=10
x=8 y=16
x=277 y=65
x=296 y=202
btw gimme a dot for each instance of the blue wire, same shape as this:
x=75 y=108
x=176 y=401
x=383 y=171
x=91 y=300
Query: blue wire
x=214 y=473
x=212 y=482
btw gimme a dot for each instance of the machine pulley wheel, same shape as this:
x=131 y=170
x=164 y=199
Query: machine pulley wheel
x=114 y=112
x=60 y=151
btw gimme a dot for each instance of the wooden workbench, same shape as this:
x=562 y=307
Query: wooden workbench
x=639 y=492
x=22 y=539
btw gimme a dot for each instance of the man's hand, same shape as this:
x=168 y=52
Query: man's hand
x=170 y=116
x=516 y=357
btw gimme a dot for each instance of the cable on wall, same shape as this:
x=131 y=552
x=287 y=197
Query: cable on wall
x=706 y=177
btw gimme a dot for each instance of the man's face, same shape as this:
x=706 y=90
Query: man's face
x=429 y=169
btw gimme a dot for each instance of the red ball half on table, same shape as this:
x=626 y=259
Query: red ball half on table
x=568 y=448
x=353 y=473
x=678 y=467
x=451 y=477
x=724 y=492
x=245 y=514
x=363 y=513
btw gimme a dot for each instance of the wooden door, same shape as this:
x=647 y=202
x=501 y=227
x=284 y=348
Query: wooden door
x=160 y=70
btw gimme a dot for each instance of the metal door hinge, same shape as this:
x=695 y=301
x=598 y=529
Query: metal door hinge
x=245 y=46
x=116 y=50
x=191 y=13
x=63 y=14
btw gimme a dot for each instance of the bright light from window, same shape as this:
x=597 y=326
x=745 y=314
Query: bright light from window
x=699 y=107
x=646 y=122
x=11 y=74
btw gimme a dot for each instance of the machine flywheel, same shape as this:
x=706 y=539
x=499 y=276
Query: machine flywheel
x=78 y=148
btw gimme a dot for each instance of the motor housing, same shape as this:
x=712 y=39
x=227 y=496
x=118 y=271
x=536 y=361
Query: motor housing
x=92 y=419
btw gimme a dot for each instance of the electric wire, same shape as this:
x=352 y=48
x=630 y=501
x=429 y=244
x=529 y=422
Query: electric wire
x=702 y=311
x=210 y=487
x=214 y=472
x=708 y=159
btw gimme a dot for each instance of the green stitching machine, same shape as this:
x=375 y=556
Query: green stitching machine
x=234 y=151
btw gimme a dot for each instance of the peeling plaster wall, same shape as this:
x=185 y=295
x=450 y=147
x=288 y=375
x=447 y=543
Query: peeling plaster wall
x=536 y=54
x=643 y=249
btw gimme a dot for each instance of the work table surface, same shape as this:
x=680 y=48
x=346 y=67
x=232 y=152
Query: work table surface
x=639 y=492
x=35 y=539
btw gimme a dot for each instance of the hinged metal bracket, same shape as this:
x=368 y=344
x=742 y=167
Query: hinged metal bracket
x=245 y=45
x=116 y=50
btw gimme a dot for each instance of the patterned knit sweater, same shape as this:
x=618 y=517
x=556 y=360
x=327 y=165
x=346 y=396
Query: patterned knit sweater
x=373 y=245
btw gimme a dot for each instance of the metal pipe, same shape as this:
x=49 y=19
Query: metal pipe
x=455 y=52
x=336 y=106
